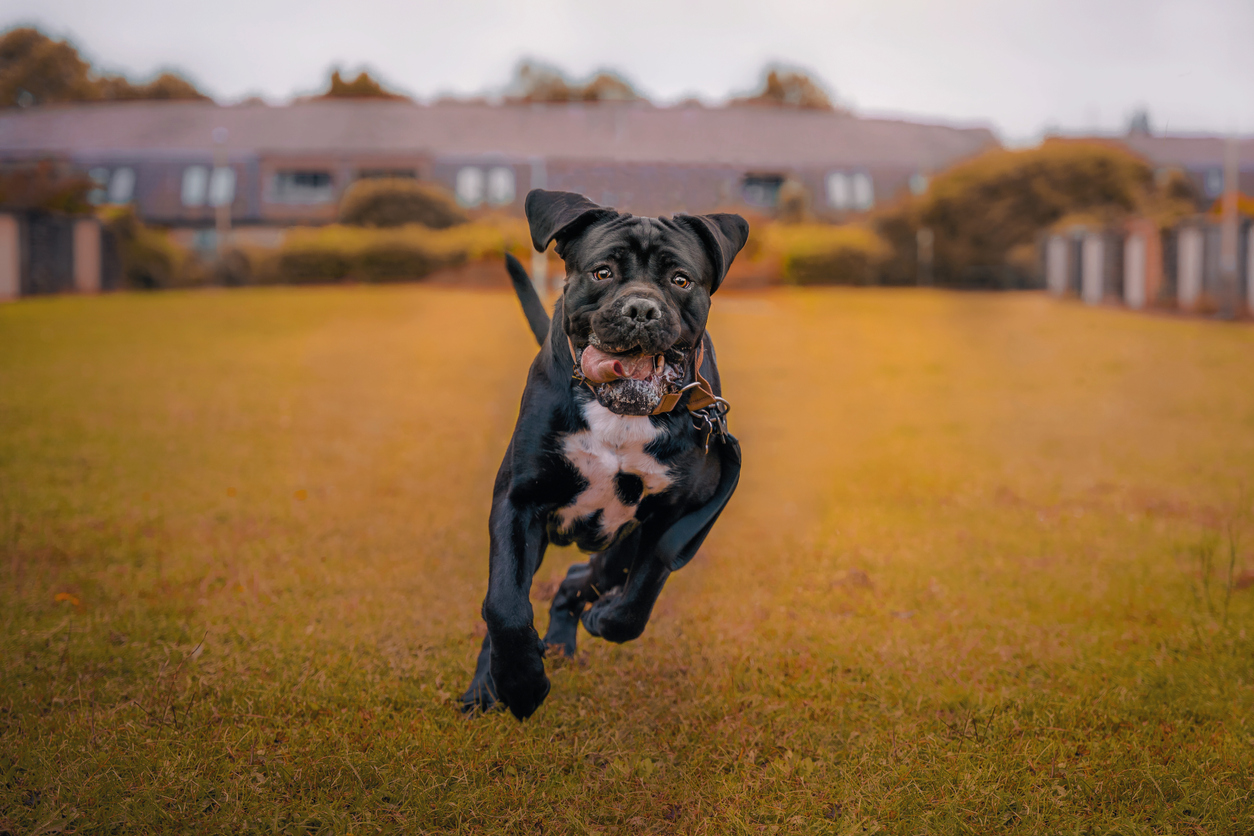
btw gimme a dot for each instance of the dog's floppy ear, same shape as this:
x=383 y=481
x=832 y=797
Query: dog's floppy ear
x=560 y=215
x=723 y=236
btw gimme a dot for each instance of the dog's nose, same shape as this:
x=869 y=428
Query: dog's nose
x=641 y=309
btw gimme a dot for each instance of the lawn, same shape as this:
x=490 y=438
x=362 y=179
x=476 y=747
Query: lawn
x=988 y=571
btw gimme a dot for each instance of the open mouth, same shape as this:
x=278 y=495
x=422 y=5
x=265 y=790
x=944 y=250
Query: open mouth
x=631 y=382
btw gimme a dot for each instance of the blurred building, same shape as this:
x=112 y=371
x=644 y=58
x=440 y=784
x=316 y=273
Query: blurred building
x=1199 y=156
x=277 y=166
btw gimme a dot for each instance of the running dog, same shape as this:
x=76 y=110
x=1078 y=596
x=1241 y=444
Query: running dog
x=621 y=445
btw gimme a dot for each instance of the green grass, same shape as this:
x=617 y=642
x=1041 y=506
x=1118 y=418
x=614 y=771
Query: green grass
x=986 y=573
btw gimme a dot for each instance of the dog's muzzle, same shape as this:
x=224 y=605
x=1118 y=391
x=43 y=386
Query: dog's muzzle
x=631 y=384
x=635 y=323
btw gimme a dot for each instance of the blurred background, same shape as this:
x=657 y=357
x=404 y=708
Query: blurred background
x=1102 y=150
x=989 y=568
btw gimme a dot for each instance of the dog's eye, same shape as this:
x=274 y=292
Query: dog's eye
x=681 y=280
x=602 y=273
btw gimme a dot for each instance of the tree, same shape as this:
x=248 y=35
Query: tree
x=788 y=88
x=538 y=83
x=362 y=87
x=166 y=86
x=44 y=186
x=985 y=210
x=35 y=69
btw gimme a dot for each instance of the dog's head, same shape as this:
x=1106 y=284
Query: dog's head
x=638 y=290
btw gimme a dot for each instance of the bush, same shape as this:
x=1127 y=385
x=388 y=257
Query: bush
x=312 y=263
x=397 y=201
x=389 y=261
x=815 y=254
x=336 y=253
x=45 y=186
x=981 y=210
x=150 y=260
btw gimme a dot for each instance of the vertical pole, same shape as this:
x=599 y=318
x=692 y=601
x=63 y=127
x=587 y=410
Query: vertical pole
x=1190 y=254
x=87 y=261
x=1249 y=268
x=1092 y=260
x=925 y=238
x=1228 y=245
x=539 y=261
x=1134 y=269
x=10 y=258
x=221 y=212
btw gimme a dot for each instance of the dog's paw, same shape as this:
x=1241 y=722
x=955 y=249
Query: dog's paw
x=561 y=635
x=480 y=696
x=519 y=679
x=610 y=620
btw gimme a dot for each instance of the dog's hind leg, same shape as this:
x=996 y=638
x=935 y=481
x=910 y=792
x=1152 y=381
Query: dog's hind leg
x=622 y=613
x=584 y=584
x=481 y=694
x=572 y=596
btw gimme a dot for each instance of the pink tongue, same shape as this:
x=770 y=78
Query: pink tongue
x=600 y=367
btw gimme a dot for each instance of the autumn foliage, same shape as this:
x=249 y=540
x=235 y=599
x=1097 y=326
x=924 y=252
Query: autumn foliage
x=538 y=83
x=396 y=201
x=44 y=186
x=788 y=88
x=362 y=87
x=35 y=69
x=985 y=212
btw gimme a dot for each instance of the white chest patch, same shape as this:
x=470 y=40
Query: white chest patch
x=611 y=445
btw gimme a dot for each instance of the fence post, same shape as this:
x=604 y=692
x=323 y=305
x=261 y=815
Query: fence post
x=1056 y=261
x=10 y=259
x=87 y=259
x=1092 y=264
x=1191 y=256
x=1134 y=264
x=1229 y=291
x=1249 y=268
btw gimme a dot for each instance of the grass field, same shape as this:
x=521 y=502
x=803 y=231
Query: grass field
x=988 y=571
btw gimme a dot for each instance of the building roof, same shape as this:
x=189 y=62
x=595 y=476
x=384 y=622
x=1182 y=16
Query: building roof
x=1189 y=151
x=637 y=132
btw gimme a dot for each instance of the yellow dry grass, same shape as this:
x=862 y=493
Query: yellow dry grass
x=976 y=578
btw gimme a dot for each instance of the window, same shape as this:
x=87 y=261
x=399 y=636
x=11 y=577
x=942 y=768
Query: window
x=863 y=191
x=850 y=190
x=838 y=191
x=501 y=185
x=195 y=185
x=122 y=185
x=761 y=189
x=381 y=173
x=100 y=177
x=1214 y=182
x=222 y=186
x=469 y=186
x=301 y=187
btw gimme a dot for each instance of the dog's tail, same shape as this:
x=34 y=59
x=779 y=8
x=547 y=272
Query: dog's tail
x=532 y=307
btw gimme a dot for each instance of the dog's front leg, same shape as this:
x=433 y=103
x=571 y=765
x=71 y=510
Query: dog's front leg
x=515 y=652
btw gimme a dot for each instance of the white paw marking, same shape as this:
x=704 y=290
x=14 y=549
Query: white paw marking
x=612 y=444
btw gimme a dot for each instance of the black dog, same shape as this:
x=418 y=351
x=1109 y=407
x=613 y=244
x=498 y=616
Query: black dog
x=621 y=446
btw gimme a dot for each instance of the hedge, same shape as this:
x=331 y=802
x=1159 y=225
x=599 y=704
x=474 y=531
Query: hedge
x=850 y=255
x=398 y=201
x=346 y=253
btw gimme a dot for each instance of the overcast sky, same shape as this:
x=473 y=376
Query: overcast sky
x=1020 y=65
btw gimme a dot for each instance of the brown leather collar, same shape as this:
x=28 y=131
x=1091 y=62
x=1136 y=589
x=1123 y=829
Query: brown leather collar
x=702 y=392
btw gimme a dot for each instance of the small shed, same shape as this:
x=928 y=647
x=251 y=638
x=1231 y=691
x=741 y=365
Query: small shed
x=45 y=252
